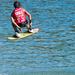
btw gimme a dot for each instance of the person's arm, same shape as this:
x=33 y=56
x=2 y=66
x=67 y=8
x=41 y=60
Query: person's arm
x=29 y=15
x=15 y=23
x=12 y=20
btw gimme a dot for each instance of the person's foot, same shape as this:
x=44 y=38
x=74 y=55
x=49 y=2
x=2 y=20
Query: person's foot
x=31 y=31
x=17 y=35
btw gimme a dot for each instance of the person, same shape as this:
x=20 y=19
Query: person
x=19 y=18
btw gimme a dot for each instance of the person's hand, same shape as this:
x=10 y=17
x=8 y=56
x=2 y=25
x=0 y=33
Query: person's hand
x=20 y=29
x=30 y=24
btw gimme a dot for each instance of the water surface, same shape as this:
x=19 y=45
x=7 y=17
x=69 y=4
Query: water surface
x=51 y=51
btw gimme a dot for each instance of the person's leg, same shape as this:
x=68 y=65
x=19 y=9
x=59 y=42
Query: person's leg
x=15 y=28
x=28 y=26
x=17 y=31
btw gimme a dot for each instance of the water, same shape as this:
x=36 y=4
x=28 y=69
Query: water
x=51 y=51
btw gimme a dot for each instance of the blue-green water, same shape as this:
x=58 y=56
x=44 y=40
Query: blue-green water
x=51 y=51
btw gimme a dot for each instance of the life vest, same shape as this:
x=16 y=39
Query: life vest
x=19 y=15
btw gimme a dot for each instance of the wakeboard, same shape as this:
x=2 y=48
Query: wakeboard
x=24 y=34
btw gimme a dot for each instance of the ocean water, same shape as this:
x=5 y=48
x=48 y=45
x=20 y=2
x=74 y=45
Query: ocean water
x=49 y=52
